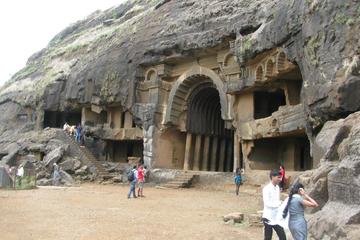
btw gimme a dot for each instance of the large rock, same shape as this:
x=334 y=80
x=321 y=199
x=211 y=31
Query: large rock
x=55 y=144
x=44 y=182
x=12 y=152
x=66 y=178
x=329 y=138
x=53 y=157
x=334 y=222
x=70 y=164
x=84 y=170
x=340 y=181
x=236 y=217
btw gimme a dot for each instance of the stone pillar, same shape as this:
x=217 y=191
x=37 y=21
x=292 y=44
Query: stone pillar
x=213 y=153
x=291 y=162
x=229 y=160
x=236 y=153
x=246 y=147
x=187 y=157
x=83 y=116
x=197 y=153
x=222 y=154
x=205 y=162
x=148 y=146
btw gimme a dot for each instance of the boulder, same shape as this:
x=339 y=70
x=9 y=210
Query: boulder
x=333 y=221
x=68 y=165
x=330 y=137
x=36 y=147
x=118 y=179
x=53 y=157
x=44 y=182
x=236 y=217
x=42 y=174
x=341 y=182
x=77 y=164
x=82 y=171
x=66 y=178
x=9 y=159
x=12 y=152
x=55 y=144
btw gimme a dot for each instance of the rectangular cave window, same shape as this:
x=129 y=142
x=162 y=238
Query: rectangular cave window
x=266 y=103
x=119 y=151
x=55 y=119
x=292 y=152
x=103 y=117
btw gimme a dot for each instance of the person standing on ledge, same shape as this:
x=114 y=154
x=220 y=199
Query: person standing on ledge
x=271 y=198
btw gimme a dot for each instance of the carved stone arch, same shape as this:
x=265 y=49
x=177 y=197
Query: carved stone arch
x=229 y=60
x=281 y=61
x=270 y=67
x=259 y=74
x=151 y=74
x=182 y=88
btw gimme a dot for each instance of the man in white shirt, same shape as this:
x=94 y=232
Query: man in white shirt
x=20 y=174
x=272 y=202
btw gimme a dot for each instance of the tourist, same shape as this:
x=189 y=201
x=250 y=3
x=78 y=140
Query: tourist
x=237 y=180
x=78 y=133
x=20 y=175
x=56 y=175
x=132 y=179
x=66 y=127
x=140 y=180
x=271 y=198
x=282 y=173
x=297 y=200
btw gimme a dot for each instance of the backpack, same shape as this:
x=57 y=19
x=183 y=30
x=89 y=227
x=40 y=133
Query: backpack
x=130 y=176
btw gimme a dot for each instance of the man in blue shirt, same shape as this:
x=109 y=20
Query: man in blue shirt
x=132 y=179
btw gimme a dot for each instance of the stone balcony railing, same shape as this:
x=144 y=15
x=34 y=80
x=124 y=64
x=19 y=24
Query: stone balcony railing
x=286 y=121
x=116 y=134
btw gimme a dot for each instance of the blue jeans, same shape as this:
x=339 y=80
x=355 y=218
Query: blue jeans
x=132 y=189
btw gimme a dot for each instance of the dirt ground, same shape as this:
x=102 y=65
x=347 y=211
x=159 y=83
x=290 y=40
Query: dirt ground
x=94 y=211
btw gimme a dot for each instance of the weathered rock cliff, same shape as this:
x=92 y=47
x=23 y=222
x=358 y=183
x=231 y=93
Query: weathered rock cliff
x=111 y=49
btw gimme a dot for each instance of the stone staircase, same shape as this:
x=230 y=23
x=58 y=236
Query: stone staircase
x=86 y=156
x=182 y=180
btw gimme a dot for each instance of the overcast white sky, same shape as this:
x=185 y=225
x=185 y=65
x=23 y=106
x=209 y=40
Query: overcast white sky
x=26 y=26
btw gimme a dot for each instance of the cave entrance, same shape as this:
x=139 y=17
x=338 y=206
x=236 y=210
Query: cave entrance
x=266 y=102
x=293 y=83
x=209 y=145
x=121 y=151
x=292 y=152
x=55 y=119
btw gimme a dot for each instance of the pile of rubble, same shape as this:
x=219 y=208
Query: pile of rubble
x=43 y=149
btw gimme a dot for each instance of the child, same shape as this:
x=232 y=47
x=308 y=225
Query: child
x=141 y=180
x=237 y=180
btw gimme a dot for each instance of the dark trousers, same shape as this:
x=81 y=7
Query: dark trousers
x=268 y=231
x=237 y=189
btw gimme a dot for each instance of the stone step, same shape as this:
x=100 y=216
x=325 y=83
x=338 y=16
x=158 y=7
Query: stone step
x=183 y=180
x=173 y=185
x=87 y=155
